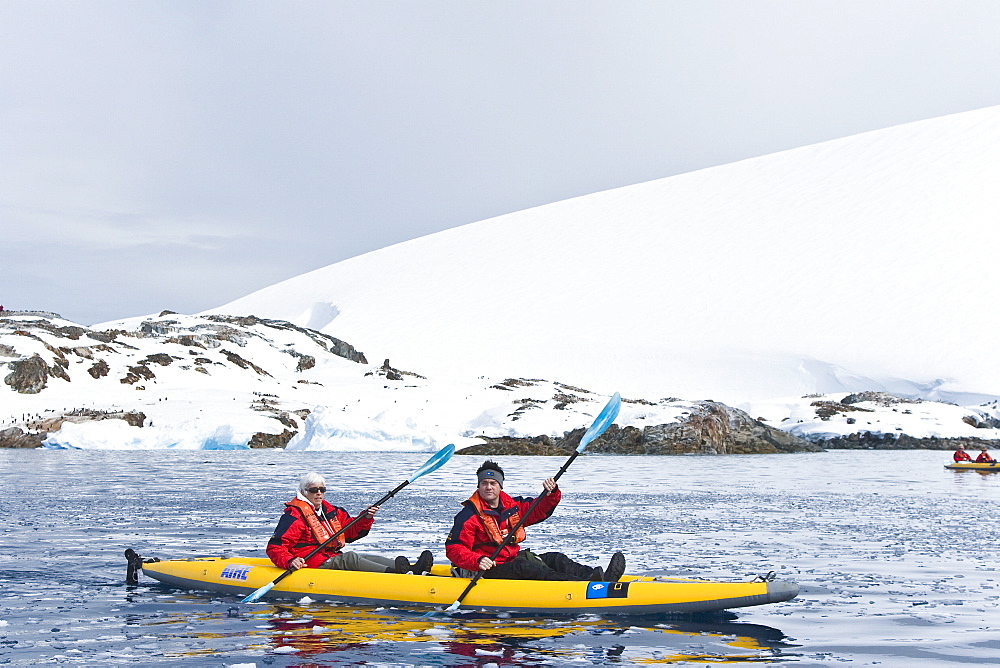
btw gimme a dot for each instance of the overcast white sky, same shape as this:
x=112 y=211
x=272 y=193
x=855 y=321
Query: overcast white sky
x=178 y=155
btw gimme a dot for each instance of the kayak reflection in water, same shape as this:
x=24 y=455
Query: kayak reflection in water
x=487 y=517
x=309 y=520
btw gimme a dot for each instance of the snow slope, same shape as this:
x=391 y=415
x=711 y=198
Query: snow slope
x=864 y=263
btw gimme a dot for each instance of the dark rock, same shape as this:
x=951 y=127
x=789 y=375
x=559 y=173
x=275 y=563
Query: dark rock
x=162 y=359
x=880 y=398
x=711 y=429
x=134 y=418
x=242 y=363
x=389 y=373
x=265 y=440
x=511 y=383
x=99 y=369
x=327 y=342
x=827 y=409
x=505 y=445
x=28 y=375
x=867 y=440
x=136 y=373
x=15 y=438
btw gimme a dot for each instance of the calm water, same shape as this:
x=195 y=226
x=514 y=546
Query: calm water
x=896 y=556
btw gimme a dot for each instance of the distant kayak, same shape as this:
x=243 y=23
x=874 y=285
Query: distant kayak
x=630 y=595
x=973 y=466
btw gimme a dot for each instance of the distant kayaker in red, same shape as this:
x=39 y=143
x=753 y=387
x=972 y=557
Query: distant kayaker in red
x=984 y=457
x=961 y=455
x=309 y=520
x=487 y=517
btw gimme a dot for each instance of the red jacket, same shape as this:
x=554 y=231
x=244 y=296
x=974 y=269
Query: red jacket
x=962 y=456
x=469 y=541
x=984 y=458
x=293 y=537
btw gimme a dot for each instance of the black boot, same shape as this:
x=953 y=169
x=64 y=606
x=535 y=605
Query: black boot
x=597 y=575
x=616 y=567
x=402 y=565
x=424 y=563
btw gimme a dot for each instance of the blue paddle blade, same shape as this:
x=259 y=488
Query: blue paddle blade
x=435 y=462
x=602 y=422
x=255 y=596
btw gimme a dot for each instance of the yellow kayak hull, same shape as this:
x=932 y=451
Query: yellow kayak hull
x=631 y=595
x=973 y=466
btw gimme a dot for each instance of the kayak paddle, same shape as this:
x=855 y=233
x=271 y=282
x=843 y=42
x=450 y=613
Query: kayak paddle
x=435 y=462
x=600 y=424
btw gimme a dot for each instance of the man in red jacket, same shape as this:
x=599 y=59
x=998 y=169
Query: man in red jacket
x=487 y=517
x=984 y=457
x=309 y=520
x=961 y=455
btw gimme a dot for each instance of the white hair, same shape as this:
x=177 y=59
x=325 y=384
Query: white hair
x=311 y=479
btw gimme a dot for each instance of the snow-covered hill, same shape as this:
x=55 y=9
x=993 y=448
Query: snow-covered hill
x=777 y=285
x=865 y=263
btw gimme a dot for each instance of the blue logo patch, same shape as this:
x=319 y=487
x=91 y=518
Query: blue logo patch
x=607 y=590
x=235 y=572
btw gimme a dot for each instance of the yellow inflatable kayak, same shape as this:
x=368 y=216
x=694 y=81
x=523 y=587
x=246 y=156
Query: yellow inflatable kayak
x=973 y=466
x=631 y=595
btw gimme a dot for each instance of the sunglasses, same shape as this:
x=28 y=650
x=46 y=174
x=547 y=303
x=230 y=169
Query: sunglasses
x=313 y=490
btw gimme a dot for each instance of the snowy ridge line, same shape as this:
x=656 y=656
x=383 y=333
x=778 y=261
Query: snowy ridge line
x=205 y=382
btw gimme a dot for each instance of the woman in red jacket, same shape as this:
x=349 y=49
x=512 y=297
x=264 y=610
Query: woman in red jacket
x=487 y=517
x=309 y=520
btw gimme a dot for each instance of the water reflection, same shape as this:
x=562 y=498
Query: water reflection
x=346 y=634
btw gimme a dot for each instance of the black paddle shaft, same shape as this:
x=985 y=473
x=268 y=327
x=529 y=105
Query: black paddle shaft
x=326 y=542
x=510 y=534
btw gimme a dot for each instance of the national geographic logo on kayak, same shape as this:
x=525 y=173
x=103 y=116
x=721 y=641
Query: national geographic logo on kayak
x=235 y=572
x=607 y=590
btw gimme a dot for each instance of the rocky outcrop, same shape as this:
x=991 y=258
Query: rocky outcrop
x=875 y=441
x=389 y=373
x=243 y=363
x=879 y=398
x=329 y=343
x=710 y=429
x=506 y=445
x=15 y=438
x=28 y=375
x=46 y=426
x=137 y=373
x=265 y=440
x=40 y=428
x=99 y=369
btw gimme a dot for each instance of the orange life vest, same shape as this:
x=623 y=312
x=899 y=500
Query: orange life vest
x=491 y=524
x=321 y=530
